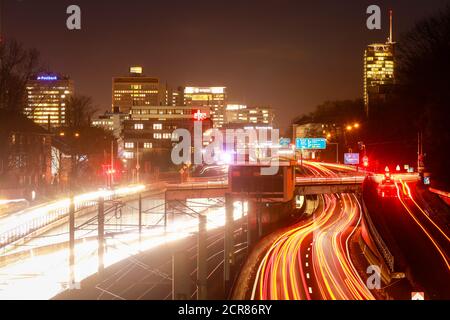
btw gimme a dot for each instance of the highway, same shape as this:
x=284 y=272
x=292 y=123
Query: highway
x=419 y=244
x=437 y=243
x=312 y=259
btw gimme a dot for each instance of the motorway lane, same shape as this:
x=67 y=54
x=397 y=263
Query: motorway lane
x=434 y=272
x=420 y=249
x=312 y=260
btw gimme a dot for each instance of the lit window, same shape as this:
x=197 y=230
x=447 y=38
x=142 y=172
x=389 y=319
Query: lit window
x=157 y=126
x=128 y=155
x=175 y=136
x=157 y=136
x=129 y=145
x=148 y=145
x=167 y=135
x=138 y=126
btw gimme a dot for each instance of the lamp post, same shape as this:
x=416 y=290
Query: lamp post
x=138 y=166
x=347 y=128
x=350 y=128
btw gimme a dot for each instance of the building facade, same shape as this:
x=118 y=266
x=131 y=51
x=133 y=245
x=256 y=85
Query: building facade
x=46 y=99
x=135 y=90
x=25 y=161
x=111 y=121
x=212 y=97
x=172 y=96
x=150 y=128
x=379 y=77
x=237 y=113
x=379 y=70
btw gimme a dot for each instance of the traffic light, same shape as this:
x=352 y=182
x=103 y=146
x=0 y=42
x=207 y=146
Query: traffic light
x=365 y=161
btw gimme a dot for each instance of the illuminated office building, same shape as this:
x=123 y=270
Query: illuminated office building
x=379 y=71
x=111 y=121
x=237 y=113
x=172 y=96
x=151 y=129
x=212 y=97
x=46 y=99
x=135 y=90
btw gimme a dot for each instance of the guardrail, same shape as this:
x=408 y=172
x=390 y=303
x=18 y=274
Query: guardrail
x=320 y=180
x=440 y=192
x=381 y=245
x=198 y=185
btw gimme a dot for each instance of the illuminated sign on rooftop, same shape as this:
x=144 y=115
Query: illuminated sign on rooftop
x=190 y=90
x=47 y=78
x=200 y=116
x=136 y=69
x=232 y=107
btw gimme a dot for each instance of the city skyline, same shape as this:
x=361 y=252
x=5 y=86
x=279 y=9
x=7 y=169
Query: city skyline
x=194 y=150
x=262 y=64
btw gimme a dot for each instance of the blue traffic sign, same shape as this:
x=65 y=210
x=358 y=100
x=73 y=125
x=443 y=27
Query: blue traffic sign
x=311 y=143
x=351 y=158
x=285 y=141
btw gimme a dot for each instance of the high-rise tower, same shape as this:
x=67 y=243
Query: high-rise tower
x=379 y=70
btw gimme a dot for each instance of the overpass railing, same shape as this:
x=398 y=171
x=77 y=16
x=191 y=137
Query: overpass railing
x=198 y=185
x=329 y=180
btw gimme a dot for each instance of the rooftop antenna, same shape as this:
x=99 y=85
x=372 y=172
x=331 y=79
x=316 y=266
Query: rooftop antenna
x=391 y=40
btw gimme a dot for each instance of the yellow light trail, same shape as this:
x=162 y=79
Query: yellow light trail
x=433 y=241
x=281 y=273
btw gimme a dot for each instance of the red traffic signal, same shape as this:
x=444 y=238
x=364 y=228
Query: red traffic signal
x=365 y=161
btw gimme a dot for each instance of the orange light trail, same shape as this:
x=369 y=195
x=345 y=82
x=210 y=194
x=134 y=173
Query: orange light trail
x=421 y=226
x=314 y=254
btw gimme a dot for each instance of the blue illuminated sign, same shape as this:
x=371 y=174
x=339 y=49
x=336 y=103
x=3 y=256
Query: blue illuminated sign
x=47 y=78
x=285 y=141
x=311 y=143
x=351 y=158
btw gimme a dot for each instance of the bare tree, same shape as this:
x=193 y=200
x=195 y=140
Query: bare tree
x=17 y=64
x=79 y=111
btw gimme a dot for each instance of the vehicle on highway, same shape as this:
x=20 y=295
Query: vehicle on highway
x=387 y=188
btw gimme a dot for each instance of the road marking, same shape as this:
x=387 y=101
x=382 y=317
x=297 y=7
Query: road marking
x=307 y=275
x=307 y=264
x=307 y=255
x=310 y=289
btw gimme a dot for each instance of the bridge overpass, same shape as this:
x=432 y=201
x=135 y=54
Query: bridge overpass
x=322 y=185
x=304 y=185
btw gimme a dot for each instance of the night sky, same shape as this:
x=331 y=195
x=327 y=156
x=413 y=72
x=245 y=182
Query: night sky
x=291 y=55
